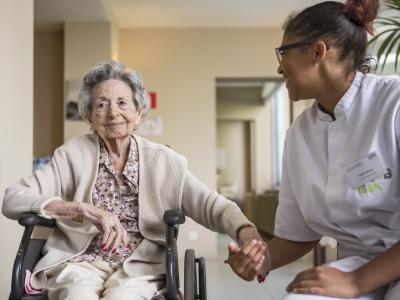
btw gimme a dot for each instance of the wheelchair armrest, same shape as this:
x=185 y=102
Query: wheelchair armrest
x=28 y=253
x=31 y=218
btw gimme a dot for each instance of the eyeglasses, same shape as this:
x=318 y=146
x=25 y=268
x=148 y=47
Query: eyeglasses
x=282 y=50
x=103 y=105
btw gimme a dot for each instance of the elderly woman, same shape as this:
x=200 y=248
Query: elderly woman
x=108 y=191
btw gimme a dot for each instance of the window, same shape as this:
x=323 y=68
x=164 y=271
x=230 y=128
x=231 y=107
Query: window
x=280 y=124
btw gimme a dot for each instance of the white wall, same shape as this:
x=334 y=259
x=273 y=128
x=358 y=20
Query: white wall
x=114 y=41
x=85 y=44
x=261 y=115
x=299 y=106
x=182 y=66
x=232 y=141
x=48 y=92
x=16 y=123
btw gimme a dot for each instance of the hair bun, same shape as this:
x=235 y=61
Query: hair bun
x=362 y=12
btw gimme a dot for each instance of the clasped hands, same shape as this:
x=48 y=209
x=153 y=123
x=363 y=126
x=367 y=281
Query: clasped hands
x=250 y=256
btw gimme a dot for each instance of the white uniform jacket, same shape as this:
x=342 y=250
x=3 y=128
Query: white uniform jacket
x=316 y=197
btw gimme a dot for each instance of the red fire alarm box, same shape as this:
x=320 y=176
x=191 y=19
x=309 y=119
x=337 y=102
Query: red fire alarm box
x=153 y=100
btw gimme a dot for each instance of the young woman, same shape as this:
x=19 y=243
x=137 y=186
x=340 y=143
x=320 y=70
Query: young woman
x=341 y=163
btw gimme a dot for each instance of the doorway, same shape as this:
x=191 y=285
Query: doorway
x=234 y=171
x=246 y=138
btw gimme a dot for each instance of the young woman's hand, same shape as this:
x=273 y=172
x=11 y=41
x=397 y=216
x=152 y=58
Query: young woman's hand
x=248 y=260
x=325 y=281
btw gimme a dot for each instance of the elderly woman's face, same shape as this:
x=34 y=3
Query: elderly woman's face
x=114 y=114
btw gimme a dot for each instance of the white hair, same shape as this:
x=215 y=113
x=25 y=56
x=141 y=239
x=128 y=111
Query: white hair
x=112 y=70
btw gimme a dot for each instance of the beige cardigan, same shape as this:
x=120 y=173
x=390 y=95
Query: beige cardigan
x=164 y=183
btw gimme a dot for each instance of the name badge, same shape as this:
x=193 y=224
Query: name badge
x=365 y=170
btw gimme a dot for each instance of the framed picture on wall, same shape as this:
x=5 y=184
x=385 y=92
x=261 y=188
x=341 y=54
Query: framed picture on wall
x=71 y=105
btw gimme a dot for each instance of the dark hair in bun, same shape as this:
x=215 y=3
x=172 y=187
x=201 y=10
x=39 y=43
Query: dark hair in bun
x=343 y=26
x=362 y=12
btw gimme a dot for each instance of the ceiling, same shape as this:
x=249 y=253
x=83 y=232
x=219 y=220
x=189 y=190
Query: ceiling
x=204 y=13
x=50 y=14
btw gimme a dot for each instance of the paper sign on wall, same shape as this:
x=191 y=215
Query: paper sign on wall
x=150 y=126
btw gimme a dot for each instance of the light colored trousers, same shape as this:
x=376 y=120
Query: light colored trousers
x=96 y=280
x=348 y=264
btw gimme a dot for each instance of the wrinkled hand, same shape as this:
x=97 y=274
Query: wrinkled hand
x=248 y=260
x=109 y=225
x=325 y=281
x=114 y=234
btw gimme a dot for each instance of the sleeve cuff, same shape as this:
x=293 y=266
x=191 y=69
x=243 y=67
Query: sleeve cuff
x=249 y=233
x=38 y=206
x=235 y=219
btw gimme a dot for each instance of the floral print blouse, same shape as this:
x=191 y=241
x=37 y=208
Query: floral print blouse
x=119 y=200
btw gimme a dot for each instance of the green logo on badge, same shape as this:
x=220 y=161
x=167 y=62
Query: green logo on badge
x=369 y=188
x=374 y=186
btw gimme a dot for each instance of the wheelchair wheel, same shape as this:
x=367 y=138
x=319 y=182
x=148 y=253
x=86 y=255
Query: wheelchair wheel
x=190 y=280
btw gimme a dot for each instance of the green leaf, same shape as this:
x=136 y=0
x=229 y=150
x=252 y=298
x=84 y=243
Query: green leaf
x=394 y=40
x=383 y=23
x=391 y=20
x=379 y=35
x=384 y=45
x=397 y=58
x=390 y=35
x=393 y=4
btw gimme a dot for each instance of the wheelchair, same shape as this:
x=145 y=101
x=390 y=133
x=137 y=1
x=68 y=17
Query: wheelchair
x=29 y=252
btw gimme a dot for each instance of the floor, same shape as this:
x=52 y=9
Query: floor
x=222 y=283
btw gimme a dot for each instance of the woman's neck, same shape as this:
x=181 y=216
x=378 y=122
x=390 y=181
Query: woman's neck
x=118 y=151
x=333 y=89
x=117 y=148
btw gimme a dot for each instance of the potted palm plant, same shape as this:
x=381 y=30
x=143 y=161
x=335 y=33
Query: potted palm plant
x=390 y=33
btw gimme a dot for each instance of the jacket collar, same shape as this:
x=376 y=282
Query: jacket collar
x=345 y=102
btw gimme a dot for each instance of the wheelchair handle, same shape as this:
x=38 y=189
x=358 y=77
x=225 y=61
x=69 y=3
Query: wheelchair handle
x=174 y=217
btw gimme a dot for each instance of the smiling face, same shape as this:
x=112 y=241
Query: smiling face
x=298 y=69
x=113 y=112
